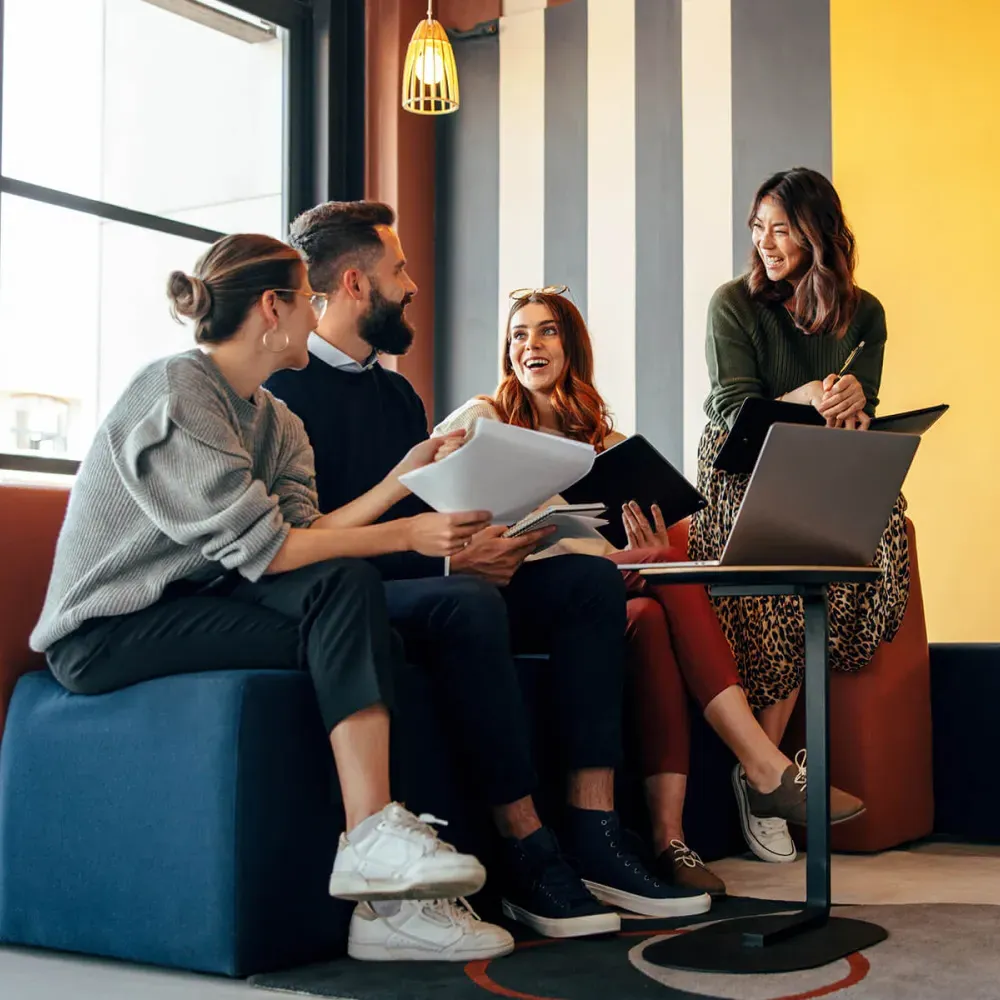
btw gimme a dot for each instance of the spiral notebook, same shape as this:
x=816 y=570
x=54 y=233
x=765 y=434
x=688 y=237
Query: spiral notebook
x=548 y=515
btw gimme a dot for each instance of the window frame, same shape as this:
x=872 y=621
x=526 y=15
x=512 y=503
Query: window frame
x=323 y=141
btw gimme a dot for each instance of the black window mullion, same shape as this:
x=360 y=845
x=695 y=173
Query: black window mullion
x=298 y=136
x=107 y=210
x=340 y=100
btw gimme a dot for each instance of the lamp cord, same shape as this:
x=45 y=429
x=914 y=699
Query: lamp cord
x=430 y=15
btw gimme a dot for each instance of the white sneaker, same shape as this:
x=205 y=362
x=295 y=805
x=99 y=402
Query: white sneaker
x=441 y=930
x=769 y=839
x=396 y=855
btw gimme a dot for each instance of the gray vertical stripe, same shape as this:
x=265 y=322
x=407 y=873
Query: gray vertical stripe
x=566 y=149
x=781 y=98
x=659 y=202
x=467 y=232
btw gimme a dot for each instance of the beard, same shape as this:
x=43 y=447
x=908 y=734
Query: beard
x=385 y=327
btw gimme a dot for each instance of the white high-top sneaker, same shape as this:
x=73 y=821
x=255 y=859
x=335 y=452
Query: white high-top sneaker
x=396 y=855
x=442 y=930
x=769 y=839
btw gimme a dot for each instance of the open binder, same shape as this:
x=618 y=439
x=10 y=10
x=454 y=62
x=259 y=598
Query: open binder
x=741 y=449
x=634 y=470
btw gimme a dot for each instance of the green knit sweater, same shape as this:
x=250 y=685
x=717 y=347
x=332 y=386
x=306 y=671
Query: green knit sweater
x=755 y=349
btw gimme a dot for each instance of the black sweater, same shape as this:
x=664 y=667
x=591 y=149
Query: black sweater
x=360 y=424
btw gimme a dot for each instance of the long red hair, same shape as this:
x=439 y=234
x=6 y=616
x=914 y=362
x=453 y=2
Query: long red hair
x=582 y=413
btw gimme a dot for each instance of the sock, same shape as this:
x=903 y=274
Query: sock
x=577 y=812
x=387 y=907
x=364 y=827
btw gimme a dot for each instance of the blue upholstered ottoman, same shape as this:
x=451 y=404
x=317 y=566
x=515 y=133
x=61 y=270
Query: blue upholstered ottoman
x=183 y=822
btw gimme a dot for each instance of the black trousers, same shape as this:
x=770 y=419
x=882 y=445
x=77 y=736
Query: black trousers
x=329 y=618
x=333 y=619
x=464 y=631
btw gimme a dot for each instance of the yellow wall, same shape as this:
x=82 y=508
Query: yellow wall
x=916 y=159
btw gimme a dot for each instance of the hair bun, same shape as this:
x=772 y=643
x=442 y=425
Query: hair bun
x=189 y=296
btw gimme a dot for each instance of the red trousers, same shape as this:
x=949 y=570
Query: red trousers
x=675 y=645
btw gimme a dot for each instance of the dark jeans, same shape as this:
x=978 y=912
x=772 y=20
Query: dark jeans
x=464 y=631
x=329 y=618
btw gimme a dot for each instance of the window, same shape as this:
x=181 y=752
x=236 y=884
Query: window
x=131 y=103
x=132 y=134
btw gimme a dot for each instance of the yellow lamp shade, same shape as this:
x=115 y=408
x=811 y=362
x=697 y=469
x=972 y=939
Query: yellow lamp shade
x=430 y=77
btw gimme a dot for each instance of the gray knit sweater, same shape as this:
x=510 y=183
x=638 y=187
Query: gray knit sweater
x=184 y=480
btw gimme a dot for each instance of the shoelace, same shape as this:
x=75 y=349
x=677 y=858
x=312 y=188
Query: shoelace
x=613 y=833
x=421 y=825
x=457 y=910
x=800 y=763
x=771 y=827
x=685 y=855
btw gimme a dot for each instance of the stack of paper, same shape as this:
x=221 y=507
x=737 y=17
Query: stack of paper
x=506 y=470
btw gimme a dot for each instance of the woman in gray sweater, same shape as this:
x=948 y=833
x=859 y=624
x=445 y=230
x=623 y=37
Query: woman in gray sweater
x=193 y=542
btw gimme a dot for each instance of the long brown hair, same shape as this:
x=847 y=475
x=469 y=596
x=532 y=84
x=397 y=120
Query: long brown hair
x=582 y=413
x=827 y=295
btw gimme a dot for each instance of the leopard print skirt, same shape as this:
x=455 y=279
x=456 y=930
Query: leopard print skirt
x=767 y=633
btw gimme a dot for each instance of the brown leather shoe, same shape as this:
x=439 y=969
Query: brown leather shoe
x=788 y=800
x=679 y=865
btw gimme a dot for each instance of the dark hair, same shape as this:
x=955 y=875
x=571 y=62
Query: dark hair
x=583 y=415
x=337 y=236
x=827 y=295
x=228 y=279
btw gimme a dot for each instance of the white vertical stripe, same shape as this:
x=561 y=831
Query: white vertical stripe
x=511 y=7
x=522 y=155
x=611 y=202
x=708 y=192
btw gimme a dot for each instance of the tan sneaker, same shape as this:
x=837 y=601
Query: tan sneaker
x=679 y=865
x=788 y=800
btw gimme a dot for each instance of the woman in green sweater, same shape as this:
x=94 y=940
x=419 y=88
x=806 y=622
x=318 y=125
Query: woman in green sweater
x=780 y=331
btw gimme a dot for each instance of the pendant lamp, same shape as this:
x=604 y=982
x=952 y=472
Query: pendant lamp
x=430 y=77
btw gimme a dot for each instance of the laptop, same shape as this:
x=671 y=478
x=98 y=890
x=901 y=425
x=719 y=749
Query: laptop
x=817 y=497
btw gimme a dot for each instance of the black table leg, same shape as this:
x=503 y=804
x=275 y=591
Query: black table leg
x=817 y=628
x=817 y=695
x=809 y=937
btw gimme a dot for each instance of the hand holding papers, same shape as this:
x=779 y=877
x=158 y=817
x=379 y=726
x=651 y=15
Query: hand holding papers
x=504 y=469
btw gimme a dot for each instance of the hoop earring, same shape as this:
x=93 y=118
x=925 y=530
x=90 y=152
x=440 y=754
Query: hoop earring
x=275 y=350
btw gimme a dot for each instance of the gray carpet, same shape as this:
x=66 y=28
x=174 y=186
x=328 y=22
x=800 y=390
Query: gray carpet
x=934 y=952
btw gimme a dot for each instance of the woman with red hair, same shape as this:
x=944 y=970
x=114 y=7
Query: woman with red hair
x=675 y=642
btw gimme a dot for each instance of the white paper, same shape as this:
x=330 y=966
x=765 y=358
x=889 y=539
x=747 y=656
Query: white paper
x=506 y=470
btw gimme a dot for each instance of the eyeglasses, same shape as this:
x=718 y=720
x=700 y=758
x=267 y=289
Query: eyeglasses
x=524 y=293
x=318 y=300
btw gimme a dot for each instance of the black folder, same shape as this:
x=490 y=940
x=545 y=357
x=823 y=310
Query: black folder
x=634 y=470
x=910 y=422
x=741 y=449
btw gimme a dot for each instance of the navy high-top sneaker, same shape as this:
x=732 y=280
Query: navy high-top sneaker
x=615 y=875
x=542 y=891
